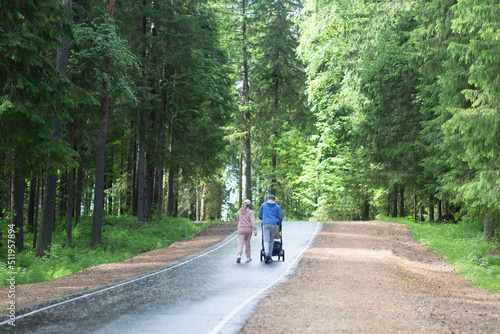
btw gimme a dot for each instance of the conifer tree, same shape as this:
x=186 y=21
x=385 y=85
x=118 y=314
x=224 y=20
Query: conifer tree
x=477 y=126
x=101 y=144
x=441 y=81
x=31 y=87
x=277 y=76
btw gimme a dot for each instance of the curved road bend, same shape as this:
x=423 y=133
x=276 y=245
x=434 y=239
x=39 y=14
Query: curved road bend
x=204 y=293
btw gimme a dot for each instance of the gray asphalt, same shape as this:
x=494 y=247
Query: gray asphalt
x=204 y=293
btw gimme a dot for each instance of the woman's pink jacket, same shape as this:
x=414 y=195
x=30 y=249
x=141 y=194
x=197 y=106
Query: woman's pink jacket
x=246 y=218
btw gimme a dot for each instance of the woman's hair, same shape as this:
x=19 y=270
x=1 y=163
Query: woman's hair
x=246 y=205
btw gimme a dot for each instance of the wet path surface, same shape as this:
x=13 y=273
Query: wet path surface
x=206 y=293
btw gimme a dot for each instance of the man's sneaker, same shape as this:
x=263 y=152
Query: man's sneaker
x=269 y=259
x=238 y=259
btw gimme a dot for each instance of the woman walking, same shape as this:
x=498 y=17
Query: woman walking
x=246 y=223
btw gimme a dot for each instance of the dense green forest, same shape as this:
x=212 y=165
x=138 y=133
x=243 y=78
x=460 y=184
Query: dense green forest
x=344 y=109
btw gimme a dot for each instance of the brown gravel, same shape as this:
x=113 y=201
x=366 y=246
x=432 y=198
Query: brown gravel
x=359 y=277
x=372 y=277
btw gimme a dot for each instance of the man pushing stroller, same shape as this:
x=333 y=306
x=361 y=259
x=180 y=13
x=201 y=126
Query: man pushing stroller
x=271 y=215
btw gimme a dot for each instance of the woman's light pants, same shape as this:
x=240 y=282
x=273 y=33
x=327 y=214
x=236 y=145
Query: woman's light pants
x=244 y=236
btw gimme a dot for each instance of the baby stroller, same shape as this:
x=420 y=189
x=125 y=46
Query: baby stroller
x=278 y=244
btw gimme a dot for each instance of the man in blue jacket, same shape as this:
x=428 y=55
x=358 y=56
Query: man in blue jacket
x=270 y=214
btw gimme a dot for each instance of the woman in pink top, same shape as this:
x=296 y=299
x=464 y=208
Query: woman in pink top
x=246 y=223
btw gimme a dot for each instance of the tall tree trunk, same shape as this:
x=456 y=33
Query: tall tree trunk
x=69 y=207
x=176 y=194
x=142 y=136
x=17 y=206
x=31 y=204
x=172 y=171
x=394 y=212
x=431 y=208
x=488 y=228
x=44 y=240
x=62 y=194
x=96 y=232
x=100 y=165
x=170 y=191
x=248 y=167
x=109 y=182
x=439 y=211
x=134 y=167
x=276 y=98
x=366 y=209
x=79 y=186
x=272 y=188
x=240 y=180
x=198 y=211
x=246 y=99
x=148 y=189
x=204 y=202
x=401 y=202
x=415 y=207
x=39 y=192
x=159 y=209
x=140 y=169
x=161 y=171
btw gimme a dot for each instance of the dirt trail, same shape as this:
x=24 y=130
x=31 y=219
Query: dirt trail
x=372 y=277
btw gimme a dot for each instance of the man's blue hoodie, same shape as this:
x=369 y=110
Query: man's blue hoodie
x=270 y=213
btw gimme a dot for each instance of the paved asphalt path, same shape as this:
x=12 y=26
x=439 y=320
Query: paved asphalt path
x=204 y=293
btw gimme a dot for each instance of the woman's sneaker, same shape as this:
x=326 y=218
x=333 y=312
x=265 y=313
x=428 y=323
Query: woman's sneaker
x=249 y=259
x=238 y=259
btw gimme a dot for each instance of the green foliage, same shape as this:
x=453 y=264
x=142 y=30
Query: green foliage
x=30 y=85
x=477 y=125
x=122 y=239
x=406 y=97
x=98 y=40
x=358 y=80
x=461 y=245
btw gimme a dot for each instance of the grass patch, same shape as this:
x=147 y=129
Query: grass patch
x=121 y=239
x=462 y=246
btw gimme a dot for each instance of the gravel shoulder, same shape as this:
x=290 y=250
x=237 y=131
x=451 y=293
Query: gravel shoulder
x=372 y=277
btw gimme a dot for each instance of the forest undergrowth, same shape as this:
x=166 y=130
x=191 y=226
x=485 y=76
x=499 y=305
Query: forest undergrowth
x=122 y=239
x=462 y=246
